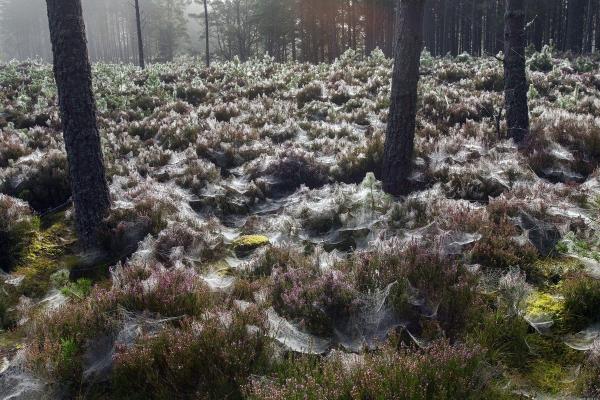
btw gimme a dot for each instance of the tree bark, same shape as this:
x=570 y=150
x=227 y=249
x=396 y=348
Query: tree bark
x=207 y=32
x=138 y=23
x=73 y=75
x=399 y=141
x=515 y=78
x=575 y=25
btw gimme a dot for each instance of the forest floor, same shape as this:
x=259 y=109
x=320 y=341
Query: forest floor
x=251 y=253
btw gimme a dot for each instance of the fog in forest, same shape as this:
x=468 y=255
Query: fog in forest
x=308 y=30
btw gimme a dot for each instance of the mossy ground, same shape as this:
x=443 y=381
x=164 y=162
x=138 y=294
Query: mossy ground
x=51 y=249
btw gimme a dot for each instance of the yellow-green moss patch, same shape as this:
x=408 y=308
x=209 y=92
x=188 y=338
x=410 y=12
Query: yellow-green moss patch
x=44 y=256
x=250 y=242
x=544 y=304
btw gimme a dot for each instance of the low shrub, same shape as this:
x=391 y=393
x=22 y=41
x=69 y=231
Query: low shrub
x=17 y=231
x=41 y=181
x=58 y=339
x=296 y=167
x=193 y=95
x=314 y=300
x=312 y=91
x=213 y=360
x=353 y=165
x=582 y=302
x=504 y=337
x=541 y=61
x=225 y=112
x=498 y=249
x=428 y=283
x=440 y=372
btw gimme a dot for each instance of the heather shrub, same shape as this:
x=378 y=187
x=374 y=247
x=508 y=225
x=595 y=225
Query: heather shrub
x=489 y=80
x=145 y=207
x=312 y=299
x=498 y=249
x=280 y=257
x=265 y=88
x=142 y=130
x=354 y=164
x=590 y=380
x=225 y=112
x=12 y=148
x=59 y=339
x=17 y=230
x=211 y=360
x=192 y=241
x=440 y=372
x=167 y=292
x=340 y=97
x=144 y=103
x=428 y=284
x=312 y=91
x=293 y=168
x=193 y=95
x=41 y=181
x=452 y=73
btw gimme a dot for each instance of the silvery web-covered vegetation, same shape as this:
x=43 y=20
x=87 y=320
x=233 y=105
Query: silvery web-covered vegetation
x=250 y=251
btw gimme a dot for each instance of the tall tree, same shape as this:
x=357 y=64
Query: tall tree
x=575 y=25
x=515 y=78
x=73 y=75
x=399 y=141
x=207 y=33
x=140 y=39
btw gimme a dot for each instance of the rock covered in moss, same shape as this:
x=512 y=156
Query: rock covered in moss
x=247 y=243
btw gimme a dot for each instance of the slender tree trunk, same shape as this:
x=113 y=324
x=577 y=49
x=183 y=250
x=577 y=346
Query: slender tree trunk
x=73 y=76
x=207 y=33
x=138 y=23
x=515 y=78
x=399 y=141
x=575 y=25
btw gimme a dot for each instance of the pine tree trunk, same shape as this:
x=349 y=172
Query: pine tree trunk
x=138 y=24
x=515 y=78
x=399 y=141
x=207 y=32
x=73 y=76
x=369 y=27
x=575 y=25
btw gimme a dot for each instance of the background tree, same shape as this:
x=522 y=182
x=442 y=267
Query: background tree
x=207 y=33
x=515 y=78
x=308 y=30
x=575 y=25
x=73 y=76
x=399 y=141
x=138 y=24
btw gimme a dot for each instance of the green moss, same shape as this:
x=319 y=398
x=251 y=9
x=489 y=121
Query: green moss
x=44 y=256
x=250 y=242
x=553 y=270
x=545 y=304
x=549 y=377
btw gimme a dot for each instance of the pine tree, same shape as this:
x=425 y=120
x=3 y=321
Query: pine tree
x=399 y=142
x=73 y=76
x=515 y=78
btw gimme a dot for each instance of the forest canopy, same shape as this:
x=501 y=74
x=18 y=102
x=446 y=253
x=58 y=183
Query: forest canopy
x=302 y=30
